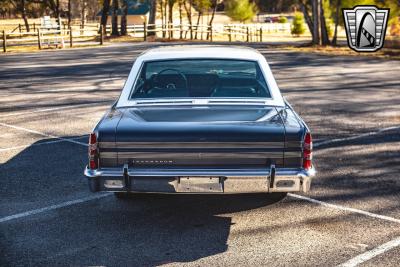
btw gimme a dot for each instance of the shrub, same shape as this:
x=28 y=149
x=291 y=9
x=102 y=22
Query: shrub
x=395 y=26
x=298 y=24
x=282 y=20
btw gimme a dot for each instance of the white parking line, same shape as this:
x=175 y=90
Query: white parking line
x=317 y=144
x=372 y=253
x=42 y=134
x=53 y=207
x=39 y=144
x=338 y=207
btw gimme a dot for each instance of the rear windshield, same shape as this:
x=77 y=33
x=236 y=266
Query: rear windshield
x=200 y=78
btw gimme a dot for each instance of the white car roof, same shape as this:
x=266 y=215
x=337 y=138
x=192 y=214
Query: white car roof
x=200 y=51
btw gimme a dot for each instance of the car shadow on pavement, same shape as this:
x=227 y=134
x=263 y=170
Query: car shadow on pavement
x=144 y=229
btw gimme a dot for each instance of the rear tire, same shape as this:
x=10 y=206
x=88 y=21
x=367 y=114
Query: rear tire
x=277 y=196
x=122 y=195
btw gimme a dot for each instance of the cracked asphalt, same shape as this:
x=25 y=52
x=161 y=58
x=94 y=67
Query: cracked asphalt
x=63 y=94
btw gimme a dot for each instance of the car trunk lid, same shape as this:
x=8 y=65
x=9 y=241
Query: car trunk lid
x=209 y=136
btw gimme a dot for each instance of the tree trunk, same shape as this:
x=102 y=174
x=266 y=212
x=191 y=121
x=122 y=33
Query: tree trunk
x=162 y=18
x=307 y=18
x=69 y=14
x=124 y=30
x=104 y=15
x=315 y=11
x=189 y=16
x=324 y=30
x=23 y=12
x=334 y=39
x=58 y=10
x=215 y=4
x=180 y=19
x=114 y=26
x=171 y=17
x=83 y=14
x=197 y=24
x=165 y=17
x=152 y=18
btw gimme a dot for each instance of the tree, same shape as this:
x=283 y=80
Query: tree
x=83 y=13
x=241 y=10
x=316 y=22
x=337 y=4
x=275 y=6
x=214 y=6
x=20 y=7
x=152 y=18
x=171 y=4
x=123 y=18
x=180 y=18
x=114 y=22
x=315 y=15
x=54 y=6
x=163 y=17
x=69 y=13
x=324 y=29
x=104 y=15
x=201 y=6
x=297 y=24
x=189 y=16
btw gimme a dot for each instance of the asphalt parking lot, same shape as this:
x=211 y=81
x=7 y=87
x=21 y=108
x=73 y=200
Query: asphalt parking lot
x=50 y=101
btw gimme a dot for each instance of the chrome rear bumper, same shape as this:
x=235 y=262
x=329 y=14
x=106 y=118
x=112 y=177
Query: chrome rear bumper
x=200 y=180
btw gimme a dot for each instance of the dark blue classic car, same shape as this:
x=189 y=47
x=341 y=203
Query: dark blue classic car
x=200 y=119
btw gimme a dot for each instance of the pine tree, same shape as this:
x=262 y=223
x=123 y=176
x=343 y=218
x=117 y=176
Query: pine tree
x=298 y=24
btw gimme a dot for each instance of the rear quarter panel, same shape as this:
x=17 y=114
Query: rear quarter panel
x=295 y=129
x=106 y=132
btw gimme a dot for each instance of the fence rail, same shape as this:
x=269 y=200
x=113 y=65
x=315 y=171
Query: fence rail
x=60 y=36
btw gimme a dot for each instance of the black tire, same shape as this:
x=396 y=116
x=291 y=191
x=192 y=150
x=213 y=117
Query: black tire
x=277 y=196
x=122 y=195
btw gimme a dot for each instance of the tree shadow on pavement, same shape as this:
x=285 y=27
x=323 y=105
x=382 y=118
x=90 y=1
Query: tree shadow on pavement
x=146 y=229
x=361 y=169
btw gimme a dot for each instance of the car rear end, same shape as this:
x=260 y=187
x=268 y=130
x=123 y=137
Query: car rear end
x=271 y=154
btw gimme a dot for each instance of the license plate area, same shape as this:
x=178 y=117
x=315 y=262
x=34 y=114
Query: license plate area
x=200 y=185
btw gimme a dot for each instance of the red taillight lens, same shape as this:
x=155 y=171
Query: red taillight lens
x=307 y=151
x=93 y=151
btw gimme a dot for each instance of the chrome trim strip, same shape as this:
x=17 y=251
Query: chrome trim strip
x=293 y=154
x=197 y=155
x=199 y=101
x=294 y=144
x=191 y=145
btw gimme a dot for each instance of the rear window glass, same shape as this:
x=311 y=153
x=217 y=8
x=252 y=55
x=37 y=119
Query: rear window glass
x=200 y=78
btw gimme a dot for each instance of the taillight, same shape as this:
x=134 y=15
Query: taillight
x=93 y=151
x=307 y=151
